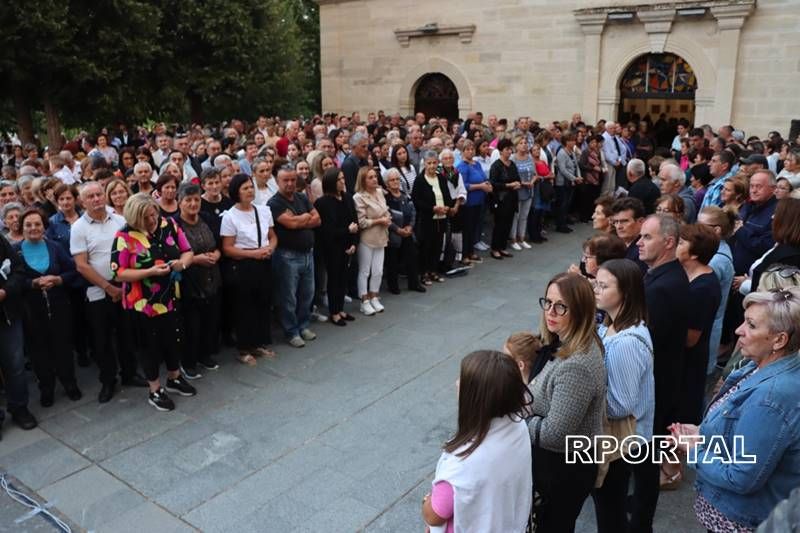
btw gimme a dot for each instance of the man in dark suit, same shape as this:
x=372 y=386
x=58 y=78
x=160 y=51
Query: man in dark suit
x=667 y=297
x=359 y=151
x=642 y=187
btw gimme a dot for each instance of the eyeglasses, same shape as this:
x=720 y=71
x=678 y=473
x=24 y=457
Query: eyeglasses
x=559 y=308
x=783 y=271
x=600 y=287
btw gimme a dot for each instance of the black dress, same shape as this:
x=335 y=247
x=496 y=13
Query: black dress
x=705 y=297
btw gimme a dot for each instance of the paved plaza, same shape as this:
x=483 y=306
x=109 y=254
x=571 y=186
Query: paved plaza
x=342 y=435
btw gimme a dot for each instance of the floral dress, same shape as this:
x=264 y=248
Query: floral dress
x=134 y=249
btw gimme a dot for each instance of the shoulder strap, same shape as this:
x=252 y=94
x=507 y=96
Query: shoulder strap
x=258 y=225
x=642 y=340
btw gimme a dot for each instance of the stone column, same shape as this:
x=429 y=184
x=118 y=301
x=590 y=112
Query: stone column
x=592 y=27
x=729 y=20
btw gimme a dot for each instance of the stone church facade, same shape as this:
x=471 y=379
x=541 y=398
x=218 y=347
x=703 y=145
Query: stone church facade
x=712 y=61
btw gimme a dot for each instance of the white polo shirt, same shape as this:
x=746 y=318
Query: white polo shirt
x=95 y=238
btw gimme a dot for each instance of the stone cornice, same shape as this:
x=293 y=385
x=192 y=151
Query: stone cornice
x=737 y=5
x=464 y=32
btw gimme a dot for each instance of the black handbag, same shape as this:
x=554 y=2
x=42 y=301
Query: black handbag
x=546 y=191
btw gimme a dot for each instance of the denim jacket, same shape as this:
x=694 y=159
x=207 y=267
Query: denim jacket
x=765 y=412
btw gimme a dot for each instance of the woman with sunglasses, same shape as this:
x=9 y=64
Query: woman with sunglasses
x=569 y=395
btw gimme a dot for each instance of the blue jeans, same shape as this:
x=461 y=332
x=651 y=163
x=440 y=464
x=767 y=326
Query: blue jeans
x=294 y=280
x=12 y=362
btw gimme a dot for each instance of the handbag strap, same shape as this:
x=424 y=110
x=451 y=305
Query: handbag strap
x=642 y=340
x=258 y=225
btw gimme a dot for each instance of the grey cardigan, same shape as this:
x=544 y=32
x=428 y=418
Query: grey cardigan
x=567 y=170
x=568 y=399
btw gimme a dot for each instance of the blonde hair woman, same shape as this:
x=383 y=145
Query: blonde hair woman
x=148 y=256
x=374 y=220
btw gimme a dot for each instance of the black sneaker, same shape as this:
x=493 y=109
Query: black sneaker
x=181 y=386
x=191 y=373
x=160 y=400
x=208 y=364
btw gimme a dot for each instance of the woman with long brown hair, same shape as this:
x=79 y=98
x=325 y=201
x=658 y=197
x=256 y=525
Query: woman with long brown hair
x=483 y=477
x=570 y=396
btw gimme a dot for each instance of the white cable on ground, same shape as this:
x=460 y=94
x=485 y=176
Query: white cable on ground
x=33 y=505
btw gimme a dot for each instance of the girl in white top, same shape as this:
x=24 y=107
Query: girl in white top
x=483 y=480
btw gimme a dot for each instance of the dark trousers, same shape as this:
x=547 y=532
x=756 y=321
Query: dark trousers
x=503 y=218
x=12 y=363
x=252 y=297
x=162 y=341
x=610 y=500
x=320 y=272
x=472 y=217
x=201 y=328
x=644 y=498
x=112 y=339
x=47 y=339
x=407 y=253
x=563 y=201
x=80 y=332
x=535 y=224
x=336 y=266
x=559 y=490
x=621 y=177
x=585 y=195
x=431 y=240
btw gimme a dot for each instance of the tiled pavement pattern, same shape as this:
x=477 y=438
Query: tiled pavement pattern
x=341 y=435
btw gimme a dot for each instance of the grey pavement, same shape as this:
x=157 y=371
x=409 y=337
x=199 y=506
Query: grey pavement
x=342 y=435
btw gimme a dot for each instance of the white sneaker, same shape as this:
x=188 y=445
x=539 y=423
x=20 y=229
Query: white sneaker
x=377 y=305
x=526 y=245
x=482 y=246
x=347 y=299
x=367 y=309
x=516 y=246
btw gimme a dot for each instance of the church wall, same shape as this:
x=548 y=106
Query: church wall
x=527 y=58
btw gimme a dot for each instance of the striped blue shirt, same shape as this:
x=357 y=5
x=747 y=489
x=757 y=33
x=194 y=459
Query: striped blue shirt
x=631 y=385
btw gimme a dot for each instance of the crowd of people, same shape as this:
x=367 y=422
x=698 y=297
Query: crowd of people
x=129 y=250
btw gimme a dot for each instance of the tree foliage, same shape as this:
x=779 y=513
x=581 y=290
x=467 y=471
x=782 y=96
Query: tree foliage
x=86 y=63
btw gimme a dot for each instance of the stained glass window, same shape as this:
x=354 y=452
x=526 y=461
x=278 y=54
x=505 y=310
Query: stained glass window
x=659 y=75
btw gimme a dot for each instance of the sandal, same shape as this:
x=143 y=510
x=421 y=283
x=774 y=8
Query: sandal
x=439 y=278
x=670 y=482
x=505 y=254
x=265 y=352
x=246 y=359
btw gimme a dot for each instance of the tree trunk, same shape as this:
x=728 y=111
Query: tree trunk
x=195 y=106
x=22 y=110
x=54 y=141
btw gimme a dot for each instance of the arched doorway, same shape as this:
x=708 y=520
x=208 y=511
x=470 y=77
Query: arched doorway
x=658 y=86
x=436 y=95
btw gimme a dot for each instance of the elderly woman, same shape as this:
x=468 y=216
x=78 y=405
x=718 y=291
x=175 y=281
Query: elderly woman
x=167 y=189
x=148 y=256
x=24 y=190
x=336 y=237
x=117 y=193
x=59 y=231
x=597 y=250
x=757 y=406
x=478 y=186
x=458 y=192
x=374 y=220
x=672 y=205
x=10 y=214
x=432 y=200
x=200 y=285
x=248 y=241
x=569 y=397
x=783 y=188
x=49 y=272
x=402 y=244
x=601 y=217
